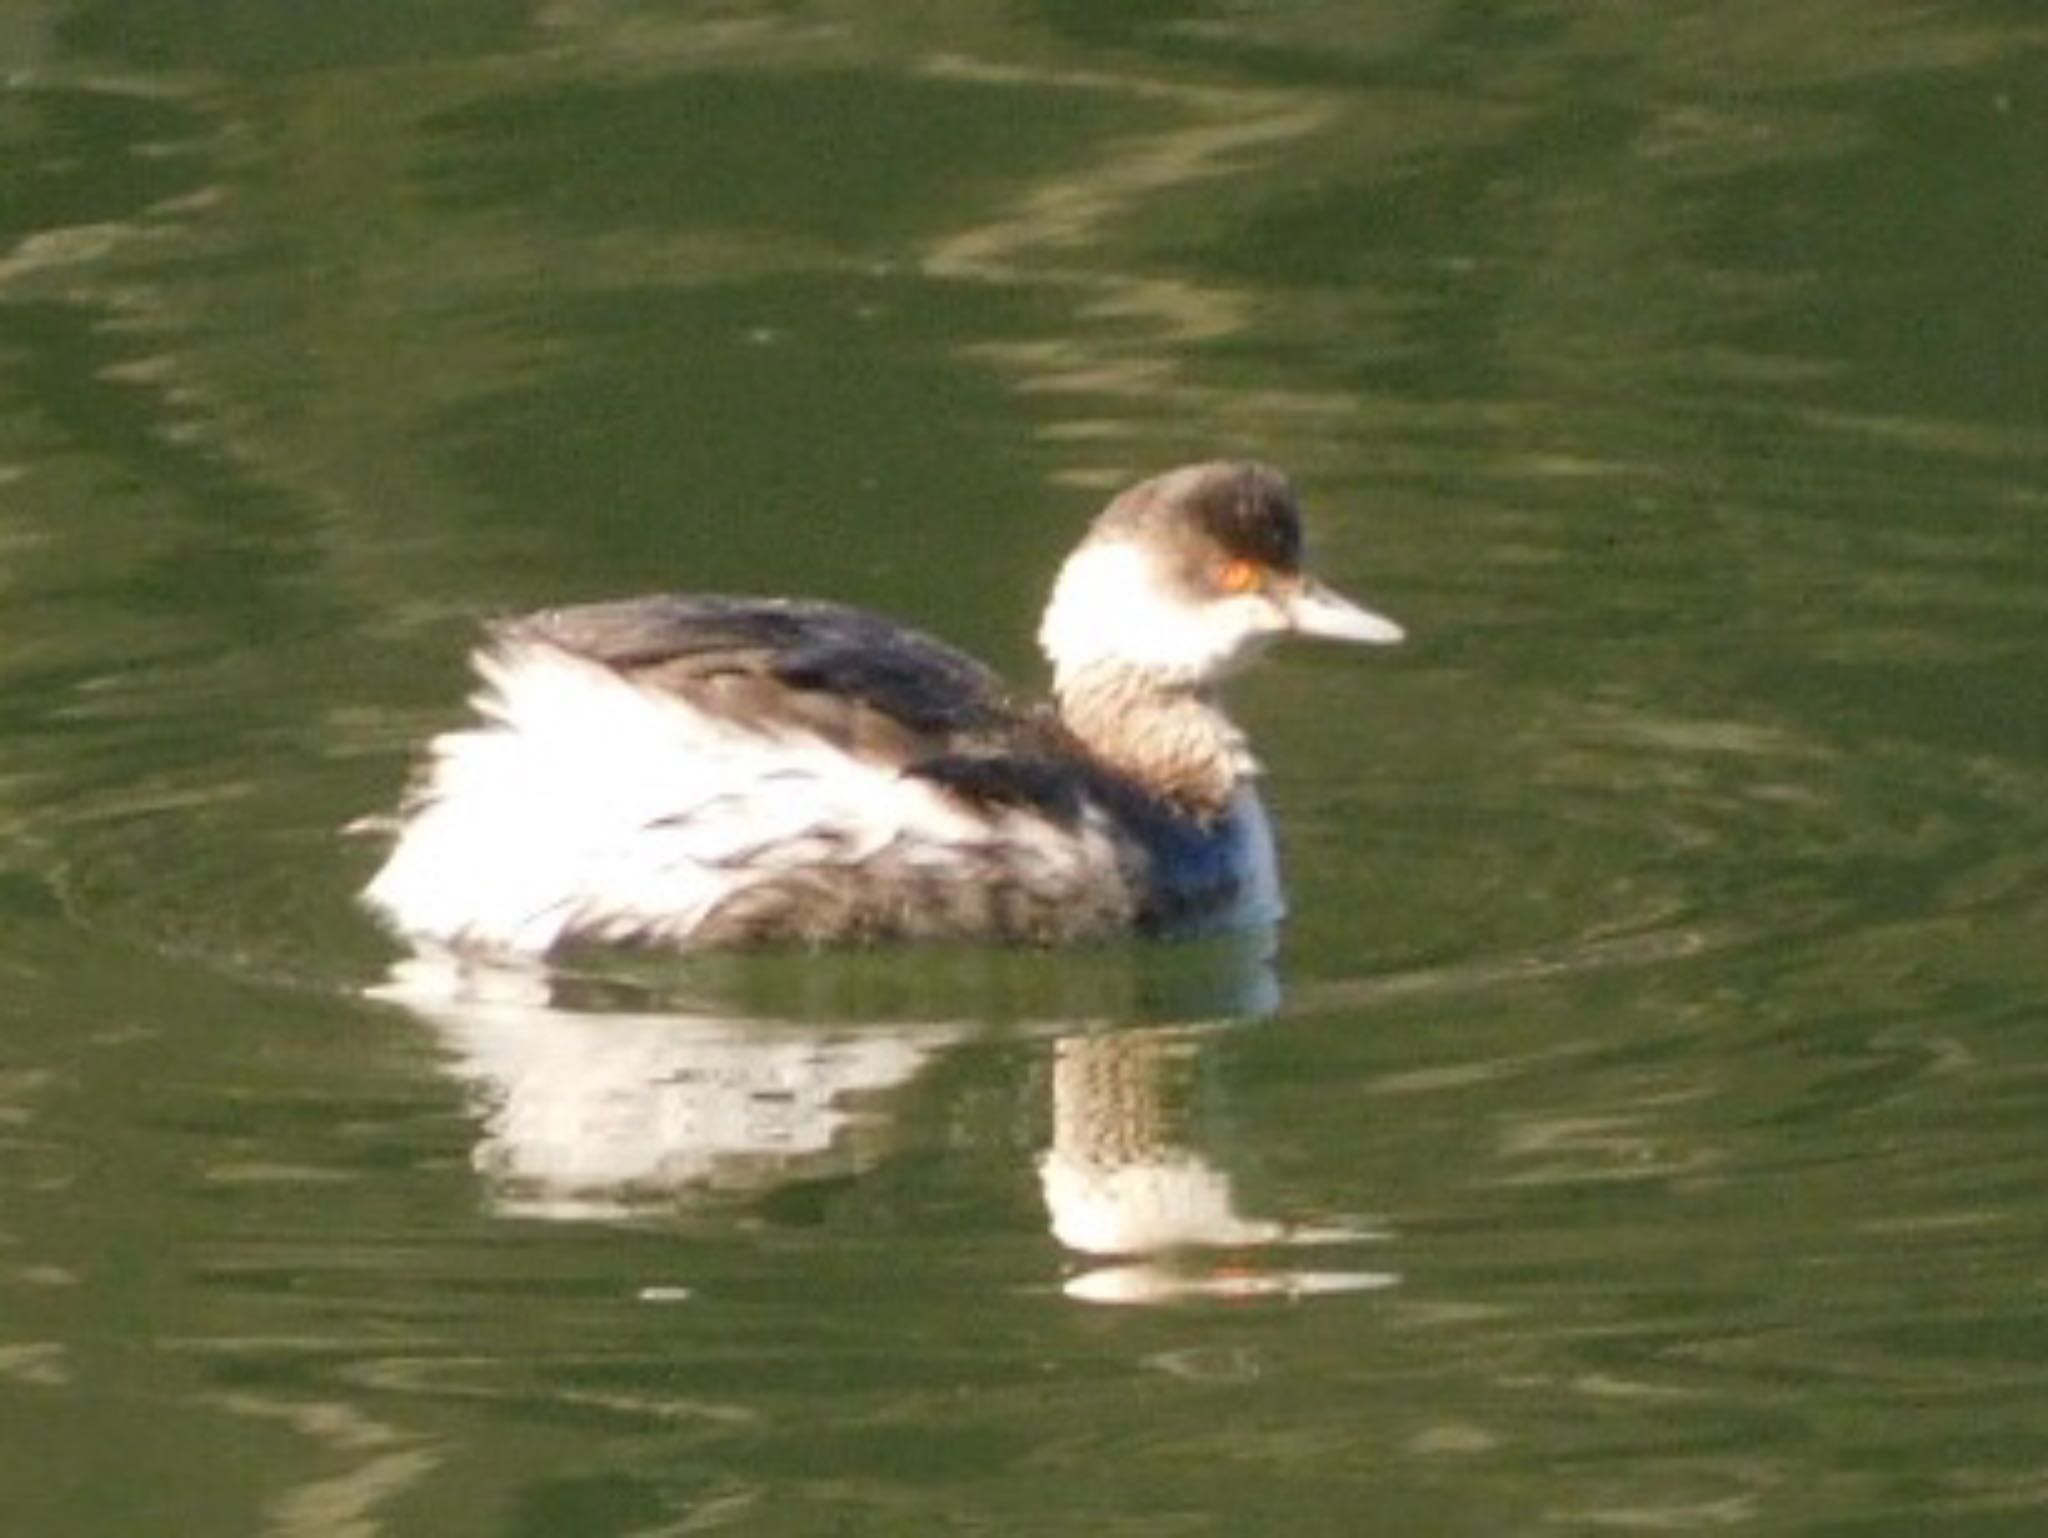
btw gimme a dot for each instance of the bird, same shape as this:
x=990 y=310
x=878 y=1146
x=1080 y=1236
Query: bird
x=685 y=772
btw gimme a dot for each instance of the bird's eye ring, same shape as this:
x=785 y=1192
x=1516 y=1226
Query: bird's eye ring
x=1239 y=576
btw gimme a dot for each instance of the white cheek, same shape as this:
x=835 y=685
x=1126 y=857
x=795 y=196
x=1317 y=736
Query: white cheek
x=1254 y=622
x=1111 y=605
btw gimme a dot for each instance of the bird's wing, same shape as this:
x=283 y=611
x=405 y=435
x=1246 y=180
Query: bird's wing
x=854 y=679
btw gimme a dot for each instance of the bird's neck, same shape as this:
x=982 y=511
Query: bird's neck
x=1170 y=738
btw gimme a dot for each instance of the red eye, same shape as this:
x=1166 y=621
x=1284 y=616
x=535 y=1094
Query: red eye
x=1239 y=576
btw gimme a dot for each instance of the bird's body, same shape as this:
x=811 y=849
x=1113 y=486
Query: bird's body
x=687 y=772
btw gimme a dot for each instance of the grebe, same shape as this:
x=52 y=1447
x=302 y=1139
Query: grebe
x=687 y=771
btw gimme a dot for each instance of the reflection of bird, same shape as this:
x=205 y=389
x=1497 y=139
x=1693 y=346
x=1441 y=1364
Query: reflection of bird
x=1129 y=1179
x=1125 y=1174
x=590 y=1115
x=692 y=771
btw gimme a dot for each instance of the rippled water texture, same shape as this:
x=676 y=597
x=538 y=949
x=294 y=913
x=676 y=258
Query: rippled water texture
x=1639 y=1124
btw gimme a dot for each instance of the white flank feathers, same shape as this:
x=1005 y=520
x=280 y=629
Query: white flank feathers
x=585 y=805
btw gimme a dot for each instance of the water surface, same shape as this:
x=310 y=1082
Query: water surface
x=1638 y=1126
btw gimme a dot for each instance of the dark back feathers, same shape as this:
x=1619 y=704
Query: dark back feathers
x=853 y=678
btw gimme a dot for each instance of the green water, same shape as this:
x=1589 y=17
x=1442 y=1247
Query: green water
x=1641 y=1128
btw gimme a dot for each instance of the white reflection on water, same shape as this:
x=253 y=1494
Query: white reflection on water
x=1136 y=1177
x=591 y=1114
x=1149 y=1282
